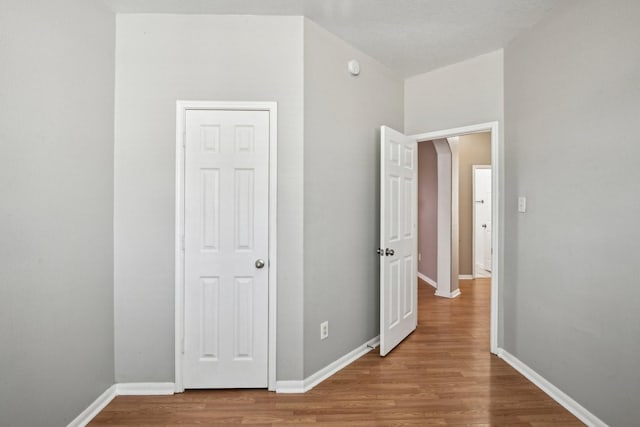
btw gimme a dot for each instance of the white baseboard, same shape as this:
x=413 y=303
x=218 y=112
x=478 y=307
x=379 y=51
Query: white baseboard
x=554 y=392
x=290 y=386
x=94 y=408
x=324 y=373
x=121 y=389
x=429 y=281
x=448 y=294
x=465 y=277
x=144 y=389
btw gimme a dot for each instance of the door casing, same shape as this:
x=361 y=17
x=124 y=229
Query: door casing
x=181 y=109
x=496 y=277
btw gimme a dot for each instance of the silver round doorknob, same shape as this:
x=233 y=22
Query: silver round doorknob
x=259 y=263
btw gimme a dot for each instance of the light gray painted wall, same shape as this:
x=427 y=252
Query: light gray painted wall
x=56 y=214
x=161 y=59
x=342 y=117
x=572 y=294
x=461 y=94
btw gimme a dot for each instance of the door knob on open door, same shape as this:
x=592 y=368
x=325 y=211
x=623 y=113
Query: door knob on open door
x=259 y=263
x=389 y=252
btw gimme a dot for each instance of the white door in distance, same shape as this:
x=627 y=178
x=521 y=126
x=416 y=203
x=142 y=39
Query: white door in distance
x=482 y=220
x=226 y=249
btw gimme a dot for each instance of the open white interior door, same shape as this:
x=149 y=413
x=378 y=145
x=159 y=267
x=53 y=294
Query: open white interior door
x=398 y=238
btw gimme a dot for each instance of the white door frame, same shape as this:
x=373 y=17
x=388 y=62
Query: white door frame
x=181 y=110
x=473 y=215
x=495 y=212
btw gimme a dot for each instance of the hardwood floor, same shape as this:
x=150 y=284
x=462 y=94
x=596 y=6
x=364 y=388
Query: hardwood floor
x=443 y=374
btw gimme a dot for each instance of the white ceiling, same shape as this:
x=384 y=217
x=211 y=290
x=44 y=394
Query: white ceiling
x=409 y=36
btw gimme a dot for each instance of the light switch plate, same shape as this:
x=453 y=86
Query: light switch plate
x=522 y=204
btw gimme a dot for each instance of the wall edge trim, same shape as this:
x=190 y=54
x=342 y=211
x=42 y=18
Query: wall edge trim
x=290 y=386
x=120 y=389
x=451 y=295
x=551 y=390
x=94 y=408
x=145 y=389
x=428 y=280
x=316 y=378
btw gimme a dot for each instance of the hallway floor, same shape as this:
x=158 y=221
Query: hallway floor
x=443 y=374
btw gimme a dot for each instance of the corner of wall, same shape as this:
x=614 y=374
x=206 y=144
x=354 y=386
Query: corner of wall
x=340 y=165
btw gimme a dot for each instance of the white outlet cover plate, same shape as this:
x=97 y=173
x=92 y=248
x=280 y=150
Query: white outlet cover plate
x=324 y=330
x=522 y=204
x=354 y=67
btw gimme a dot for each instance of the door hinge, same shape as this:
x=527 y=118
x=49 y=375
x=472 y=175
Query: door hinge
x=182 y=243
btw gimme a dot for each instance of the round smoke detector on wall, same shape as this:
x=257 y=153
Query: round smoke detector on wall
x=354 y=67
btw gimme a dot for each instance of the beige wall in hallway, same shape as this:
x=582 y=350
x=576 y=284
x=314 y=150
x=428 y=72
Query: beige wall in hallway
x=474 y=149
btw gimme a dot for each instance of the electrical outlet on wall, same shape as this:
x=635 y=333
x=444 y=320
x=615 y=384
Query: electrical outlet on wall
x=522 y=204
x=324 y=330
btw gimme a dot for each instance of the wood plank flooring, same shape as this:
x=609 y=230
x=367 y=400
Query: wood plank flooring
x=443 y=374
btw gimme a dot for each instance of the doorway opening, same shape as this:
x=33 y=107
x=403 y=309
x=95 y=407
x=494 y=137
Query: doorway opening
x=457 y=172
x=448 y=267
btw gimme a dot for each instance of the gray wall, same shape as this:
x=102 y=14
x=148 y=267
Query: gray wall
x=342 y=117
x=56 y=214
x=465 y=93
x=161 y=59
x=572 y=294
